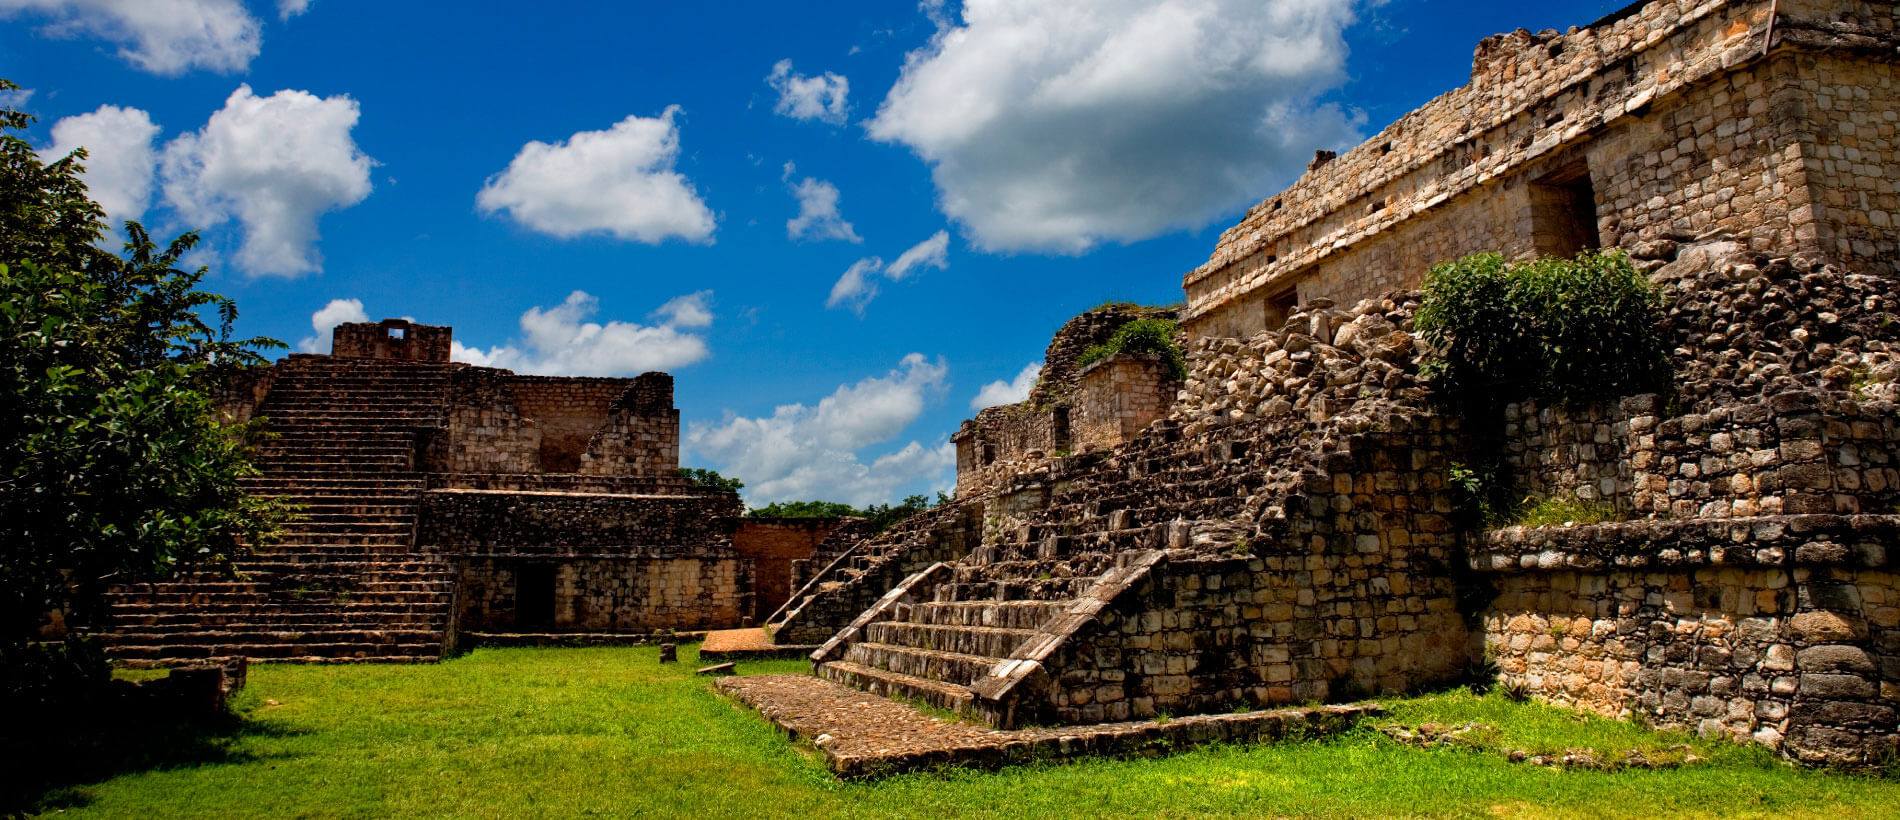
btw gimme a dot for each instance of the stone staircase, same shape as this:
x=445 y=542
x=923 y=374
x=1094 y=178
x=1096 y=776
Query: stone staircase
x=344 y=583
x=856 y=576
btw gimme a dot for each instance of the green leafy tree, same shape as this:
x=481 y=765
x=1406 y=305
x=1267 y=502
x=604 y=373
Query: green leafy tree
x=711 y=479
x=115 y=465
x=804 y=509
x=1142 y=336
x=879 y=517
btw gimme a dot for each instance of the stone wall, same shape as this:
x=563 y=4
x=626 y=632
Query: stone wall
x=568 y=412
x=1784 y=630
x=391 y=339
x=641 y=435
x=483 y=431
x=1117 y=397
x=775 y=546
x=606 y=562
x=1662 y=123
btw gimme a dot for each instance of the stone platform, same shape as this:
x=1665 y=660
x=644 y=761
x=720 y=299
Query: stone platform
x=863 y=735
x=749 y=645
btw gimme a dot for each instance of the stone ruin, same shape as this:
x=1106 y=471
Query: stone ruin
x=1281 y=527
x=441 y=500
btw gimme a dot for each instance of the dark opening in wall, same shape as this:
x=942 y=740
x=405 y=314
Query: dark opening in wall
x=989 y=454
x=1059 y=421
x=1564 y=212
x=534 y=596
x=1279 y=306
x=397 y=334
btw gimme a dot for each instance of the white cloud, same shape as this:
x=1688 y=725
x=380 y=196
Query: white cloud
x=933 y=252
x=326 y=319
x=276 y=164
x=813 y=453
x=120 y=161
x=15 y=99
x=558 y=341
x=810 y=98
x=287 y=9
x=689 y=310
x=167 y=37
x=1008 y=392
x=857 y=287
x=1052 y=125
x=818 y=216
x=620 y=182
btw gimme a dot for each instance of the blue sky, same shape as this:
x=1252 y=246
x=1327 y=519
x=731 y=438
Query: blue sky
x=836 y=224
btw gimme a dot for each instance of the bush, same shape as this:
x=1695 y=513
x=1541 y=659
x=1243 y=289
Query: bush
x=1149 y=336
x=1565 y=329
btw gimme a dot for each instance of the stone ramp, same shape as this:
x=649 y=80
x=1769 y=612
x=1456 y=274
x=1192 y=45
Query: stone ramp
x=864 y=735
x=749 y=644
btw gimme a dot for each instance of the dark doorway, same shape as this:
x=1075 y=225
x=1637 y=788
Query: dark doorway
x=1059 y=422
x=1279 y=306
x=1564 y=212
x=534 y=596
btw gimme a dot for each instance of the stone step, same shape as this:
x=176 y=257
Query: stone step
x=262 y=635
x=994 y=614
x=134 y=610
x=894 y=685
x=983 y=641
x=335 y=652
x=950 y=667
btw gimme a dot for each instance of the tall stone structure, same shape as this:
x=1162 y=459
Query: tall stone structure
x=1666 y=121
x=440 y=498
x=1290 y=529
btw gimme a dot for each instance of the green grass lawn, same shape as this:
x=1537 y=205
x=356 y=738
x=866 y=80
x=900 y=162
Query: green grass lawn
x=563 y=732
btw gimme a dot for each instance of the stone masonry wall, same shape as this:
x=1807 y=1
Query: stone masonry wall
x=641 y=435
x=568 y=412
x=627 y=593
x=774 y=546
x=1117 y=397
x=1784 y=630
x=483 y=430
x=391 y=339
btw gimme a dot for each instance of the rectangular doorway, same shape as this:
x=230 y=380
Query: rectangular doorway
x=1564 y=212
x=534 y=596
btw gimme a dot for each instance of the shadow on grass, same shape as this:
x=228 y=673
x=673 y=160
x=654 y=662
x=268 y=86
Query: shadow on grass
x=55 y=756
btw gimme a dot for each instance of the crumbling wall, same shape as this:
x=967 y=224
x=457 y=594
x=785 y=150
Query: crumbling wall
x=567 y=411
x=641 y=435
x=1117 y=397
x=391 y=339
x=774 y=546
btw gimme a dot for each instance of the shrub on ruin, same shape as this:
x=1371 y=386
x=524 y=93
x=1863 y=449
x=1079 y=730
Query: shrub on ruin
x=1142 y=336
x=1580 y=329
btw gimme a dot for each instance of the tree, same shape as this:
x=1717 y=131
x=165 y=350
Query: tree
x=879 y=517
x=115 y=465
x=711 y=479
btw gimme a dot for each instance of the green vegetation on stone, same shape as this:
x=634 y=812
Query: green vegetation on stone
x=610 y=731
x=711 y=479
x=1142 y=336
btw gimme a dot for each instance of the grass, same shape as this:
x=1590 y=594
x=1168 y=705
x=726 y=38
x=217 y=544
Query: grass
x=563 y=732
x=1552 y=512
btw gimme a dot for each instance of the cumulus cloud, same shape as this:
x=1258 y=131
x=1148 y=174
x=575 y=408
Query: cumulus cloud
x=824 y=99
x=559 y=341
x=337 y=312
x=1053 y=125
x=287 y=9
x=167 y=37
x=818 y=216
x=120 y=161
x=858 y=286
x=1008 y=392
x=620 y=182
x=811 y=453
x=275 y=164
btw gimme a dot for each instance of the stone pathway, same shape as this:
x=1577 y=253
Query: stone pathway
x=863 y=735
x=748 y=644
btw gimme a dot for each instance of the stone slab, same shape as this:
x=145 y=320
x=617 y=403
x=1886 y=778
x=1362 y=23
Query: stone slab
x=749 y=645
x=866 y=736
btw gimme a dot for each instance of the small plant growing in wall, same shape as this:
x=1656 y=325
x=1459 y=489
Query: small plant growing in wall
x=1151 y=336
